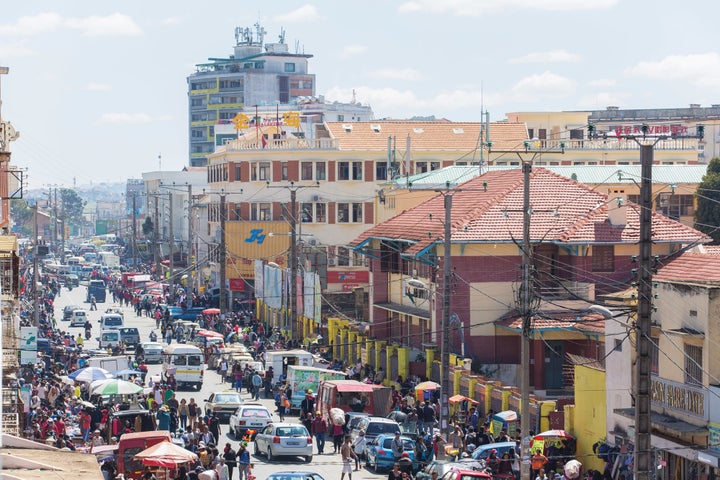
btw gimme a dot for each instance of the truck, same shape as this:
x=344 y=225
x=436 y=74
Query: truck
x=111 y=364
x=302 y=378
x=353 y=396
x=97 y=289
x=281 y=359
x=109 y=259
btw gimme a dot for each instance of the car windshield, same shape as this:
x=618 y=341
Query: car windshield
x=255 y=412
x=113 y=321
x=194 y=360
x=408 y=444
x=378 y=428
x=227 y=398
x=291 y=432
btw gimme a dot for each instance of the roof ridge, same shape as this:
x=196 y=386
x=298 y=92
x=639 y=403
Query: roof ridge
x=492 y=200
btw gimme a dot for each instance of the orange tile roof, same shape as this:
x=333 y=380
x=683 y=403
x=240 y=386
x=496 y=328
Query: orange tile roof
x=488 y=209
x=426 y=136
x=692 y=267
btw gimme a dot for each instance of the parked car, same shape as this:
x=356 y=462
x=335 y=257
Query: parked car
x=441 y=467
x=379 y=454
x=223 y=403
x=461 y=474
x=249 y=416
x=374 y=426
x=284 y=439
x=482 y=452
x=68 y=310
x=78 y=318
x=294 y=476
x=153 y=352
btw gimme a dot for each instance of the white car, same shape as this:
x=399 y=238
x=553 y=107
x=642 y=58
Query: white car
x=284 y=439
x=249 y=416
x=78 y=318
x=153 y=352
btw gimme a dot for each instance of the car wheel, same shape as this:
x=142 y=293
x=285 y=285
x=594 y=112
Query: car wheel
x=270 y=455
x=257 y=450
x=376 y=467
x=308 y=459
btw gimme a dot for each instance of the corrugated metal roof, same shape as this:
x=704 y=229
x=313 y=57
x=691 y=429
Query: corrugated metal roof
x=587 y=174
x=8 y=243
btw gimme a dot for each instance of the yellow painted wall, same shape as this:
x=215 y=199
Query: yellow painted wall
x=589 y=414
x=241 y=253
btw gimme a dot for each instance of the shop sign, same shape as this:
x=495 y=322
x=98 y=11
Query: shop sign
x=714 y=436
x=679 y=397
x=350 y=276
x=652 y=130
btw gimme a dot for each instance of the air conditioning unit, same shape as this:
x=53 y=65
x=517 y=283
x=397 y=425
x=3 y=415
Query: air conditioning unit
x=316 y=198
x=332 y=262
x=312 y=241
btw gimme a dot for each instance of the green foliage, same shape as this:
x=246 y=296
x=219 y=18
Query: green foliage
x=71 y=206
x=707 y=215
x=22 y=216
x=147 y=227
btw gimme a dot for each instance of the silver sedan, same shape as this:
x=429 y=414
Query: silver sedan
x=284 y=439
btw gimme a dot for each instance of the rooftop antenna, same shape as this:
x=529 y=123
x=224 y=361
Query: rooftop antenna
x=354 y=98
x=260 y=32
x=160 y=162
x=282 y=35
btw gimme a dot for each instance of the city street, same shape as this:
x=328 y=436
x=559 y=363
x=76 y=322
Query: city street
x=329 y=466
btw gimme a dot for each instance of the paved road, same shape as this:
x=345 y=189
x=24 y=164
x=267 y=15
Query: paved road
x=328 y=466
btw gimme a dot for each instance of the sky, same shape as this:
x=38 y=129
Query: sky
x=98 y=91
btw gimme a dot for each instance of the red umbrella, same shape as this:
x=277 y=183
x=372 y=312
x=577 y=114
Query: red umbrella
x=553 y=435
x=211 y=311
x=209 y=333
x=165 y=454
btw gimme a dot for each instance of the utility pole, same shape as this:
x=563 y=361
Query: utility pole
x=172 y=250
x=292 y=214
x=445 y=345
x=156 y=238
x=526 y=301
x=189 y=254
x=134 y=230
x=62 y=229
x=223 y=254
x=36 y=300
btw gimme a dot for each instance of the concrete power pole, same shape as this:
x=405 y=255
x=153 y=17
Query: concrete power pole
x=223 y=255
x=189 y=254
x=445 y=345
x=526 y=329
x=171 y=258
x=293 y=263
x=134 y=230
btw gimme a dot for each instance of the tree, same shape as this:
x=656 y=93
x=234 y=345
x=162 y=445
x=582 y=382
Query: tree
x=707 y=215
x=22 y=215
x=147 y=227
x=72 y=207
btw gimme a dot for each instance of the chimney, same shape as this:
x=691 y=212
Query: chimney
x=617 y=211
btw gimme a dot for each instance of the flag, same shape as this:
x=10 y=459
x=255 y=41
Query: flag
x=264 y=142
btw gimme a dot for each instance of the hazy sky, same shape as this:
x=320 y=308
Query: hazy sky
x=98 y=89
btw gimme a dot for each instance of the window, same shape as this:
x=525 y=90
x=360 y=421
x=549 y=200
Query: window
x=341 y=118
x=320 y=213
x=603 y=258
x=654 y=355
x=421 y=167
x=260 y=171
x=350 y=212
x=381 y=171
x=284 y=171
x=343 y=257
x=237 y=173
x=693 y=365
x=306 y=171
x=260 y=212
x=343 y=171
x=434 y=166
x=306 y=212
x=289 y=67
x=350 y=170
x=320 y=171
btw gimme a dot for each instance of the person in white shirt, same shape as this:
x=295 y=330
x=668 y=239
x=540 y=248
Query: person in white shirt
x=222 y=470
x=359 y=448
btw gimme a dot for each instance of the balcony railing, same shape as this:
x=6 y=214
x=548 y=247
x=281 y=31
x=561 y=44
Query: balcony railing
x=283 y=144
x=613 y=143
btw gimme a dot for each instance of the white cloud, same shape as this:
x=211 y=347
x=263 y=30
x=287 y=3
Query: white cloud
x=702 y=69
x=551 y=56
x=120 y=118
x=116 y=24
x=352 y=50
x=172 y=21
x=542 y=86
x=306 y=13
x=98 y=87
x=602 y=83
x=15 y=50
x=407 y=74
x=477 y=7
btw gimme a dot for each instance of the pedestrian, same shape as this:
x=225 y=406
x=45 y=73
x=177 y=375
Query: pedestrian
x=256 y=380
x=347 y=454
x=214 y=425
x=183 y=411
x=396 y=445
x=337 y=432
x=230 y=457
x=538 y=462
x=318 y=428
x=221 y=469
x=223 y=370
x=359 y=448
x=283 y=405
x=243 y=461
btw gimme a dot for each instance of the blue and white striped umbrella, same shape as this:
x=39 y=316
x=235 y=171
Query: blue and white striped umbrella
x=90 y=374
